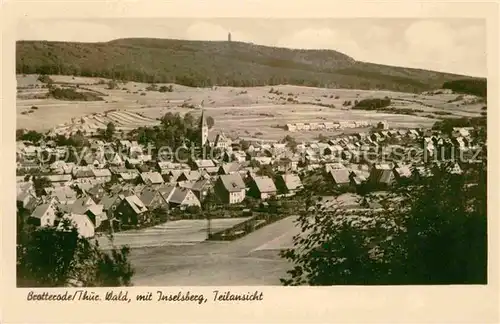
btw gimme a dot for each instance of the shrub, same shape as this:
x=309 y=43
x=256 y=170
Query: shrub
x=73 y=95
x=169 y=88
x=373 y=103
x=45 y=79
x=152 y=87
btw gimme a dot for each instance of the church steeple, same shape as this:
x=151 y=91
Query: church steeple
x=203 y=128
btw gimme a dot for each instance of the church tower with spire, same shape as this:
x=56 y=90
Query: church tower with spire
x=203 y=128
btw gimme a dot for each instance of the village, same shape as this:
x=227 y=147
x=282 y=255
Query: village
x=109 y=193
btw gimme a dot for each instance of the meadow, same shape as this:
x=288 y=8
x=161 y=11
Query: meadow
x=246 y=112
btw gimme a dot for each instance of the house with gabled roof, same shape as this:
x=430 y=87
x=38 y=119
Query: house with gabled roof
x=109 y=204
x=381 y=175
x=82 y=172
x=116 y=160
x=358 y=177
x=339 y=177
x=57 y=167
x=262 y=187
x=173 y=175
x=152 y=198
x=44 y=215
x=263 y=160
x=166 y=189
x=103 y=175
x=203 y=164
x=79 y=206
x=131 y=163
x=125 y=144
x=200 y=187
x=129 y=175
x=81 y=186
x=131 y=211
x=287 y=164
x=68 y=167
x=64 y=195
x=151 y=178
x=181 y=197
x=288 y=183
x=235 y=156
x=222 y=141
x=192 y=175
x=163 y=166
x=130 y=189
x=453 y=168
x=96 y=192
x=82 y=223
x=333 y=166
x=228 y=168
x=230 y=188
x=26 y=197
x=59 y=178
x=402 y=173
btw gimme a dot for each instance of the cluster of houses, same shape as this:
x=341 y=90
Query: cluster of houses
x=298 y=127
x=102 y=195
x=115 y=191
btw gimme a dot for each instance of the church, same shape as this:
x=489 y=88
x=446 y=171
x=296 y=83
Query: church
x=219 y=140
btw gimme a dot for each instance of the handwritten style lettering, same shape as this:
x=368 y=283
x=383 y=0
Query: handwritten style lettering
x=229 y=296
x=180 y=296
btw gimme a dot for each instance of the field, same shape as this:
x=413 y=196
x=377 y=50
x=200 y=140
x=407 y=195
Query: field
x=250 y=260
x=180 y=232
x=253 y=113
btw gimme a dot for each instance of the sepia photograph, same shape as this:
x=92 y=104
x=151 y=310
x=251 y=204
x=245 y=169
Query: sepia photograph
x=251 y=152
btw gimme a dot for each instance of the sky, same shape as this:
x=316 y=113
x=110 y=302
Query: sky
x=447 y=45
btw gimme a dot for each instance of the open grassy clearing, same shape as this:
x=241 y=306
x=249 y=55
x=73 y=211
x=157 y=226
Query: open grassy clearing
x=180 y=232
x=251 y=260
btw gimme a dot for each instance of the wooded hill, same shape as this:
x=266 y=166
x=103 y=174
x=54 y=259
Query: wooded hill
x=204 y=63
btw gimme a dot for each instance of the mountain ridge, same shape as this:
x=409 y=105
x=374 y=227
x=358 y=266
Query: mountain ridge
x=223 y=63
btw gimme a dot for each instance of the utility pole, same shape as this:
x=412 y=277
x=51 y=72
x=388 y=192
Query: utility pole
x=209 y=225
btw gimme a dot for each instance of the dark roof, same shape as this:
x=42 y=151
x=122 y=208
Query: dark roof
x=230 y=167
x=381 y=176
x=40 y=210
x=147 y=196
x=403 y=171
x=192 y=175
x=292 y=181
x=264 y=184
x=178 y=195
x=340 y=176
x=166 y=190
x=136 y=204
x=152 y=177
x=108 y=200
x=84 y=174
x=232 y=182
x=96 y=190
x=200 y=184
